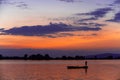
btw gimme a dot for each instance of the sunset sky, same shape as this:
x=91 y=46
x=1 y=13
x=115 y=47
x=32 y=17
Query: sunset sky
x=88 y=26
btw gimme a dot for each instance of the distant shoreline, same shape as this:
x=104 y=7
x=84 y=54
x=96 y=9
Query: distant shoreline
x=48 y=57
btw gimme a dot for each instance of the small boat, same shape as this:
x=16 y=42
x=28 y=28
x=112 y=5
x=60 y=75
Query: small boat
x=77 y=67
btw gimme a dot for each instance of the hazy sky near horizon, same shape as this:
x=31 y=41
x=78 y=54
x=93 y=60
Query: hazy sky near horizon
x=60 y=24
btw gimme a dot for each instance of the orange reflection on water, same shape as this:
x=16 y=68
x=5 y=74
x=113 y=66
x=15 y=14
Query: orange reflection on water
x=57 y=70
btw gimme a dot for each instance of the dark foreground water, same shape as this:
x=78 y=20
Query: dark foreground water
x=57 y=70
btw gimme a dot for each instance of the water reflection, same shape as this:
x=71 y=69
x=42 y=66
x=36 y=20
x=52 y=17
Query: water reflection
x=78 y=68
x=36 y=70
x=86 y=70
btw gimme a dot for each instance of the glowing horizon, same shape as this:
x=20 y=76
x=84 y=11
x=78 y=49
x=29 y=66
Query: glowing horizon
x=62 y=24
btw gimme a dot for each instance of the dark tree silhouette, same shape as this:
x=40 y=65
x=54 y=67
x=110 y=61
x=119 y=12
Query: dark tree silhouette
x=25 y=56
x=64 y=57
x=48 y=57
x=1 y=57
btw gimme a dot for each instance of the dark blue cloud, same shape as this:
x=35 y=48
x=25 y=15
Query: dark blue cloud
x=22 y=5
x=93 y=16
x=117 y=2
x=116 y=18
x=87 y=19
x=47 y=29
x=60 y=35
x=98 y=13
x=1 y=29
x=92 y=24
x=1 y=1
x=67 y=0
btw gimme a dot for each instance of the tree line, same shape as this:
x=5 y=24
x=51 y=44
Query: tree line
x=48 y=57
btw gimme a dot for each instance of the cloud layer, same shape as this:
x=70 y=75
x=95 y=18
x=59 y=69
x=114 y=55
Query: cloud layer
x=116 y=18
x=116 y=2
x=18 y=4
x=1 y=29
x=47 y=30
x=98 y=13
x=69 y=1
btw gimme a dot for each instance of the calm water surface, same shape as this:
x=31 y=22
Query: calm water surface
x=57 y=70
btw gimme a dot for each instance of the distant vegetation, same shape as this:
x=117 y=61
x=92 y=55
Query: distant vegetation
x=48 y=57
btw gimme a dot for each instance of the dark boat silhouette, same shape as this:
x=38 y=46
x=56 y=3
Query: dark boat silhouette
x=77 y=67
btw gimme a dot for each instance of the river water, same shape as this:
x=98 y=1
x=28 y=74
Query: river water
x=57 y=70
